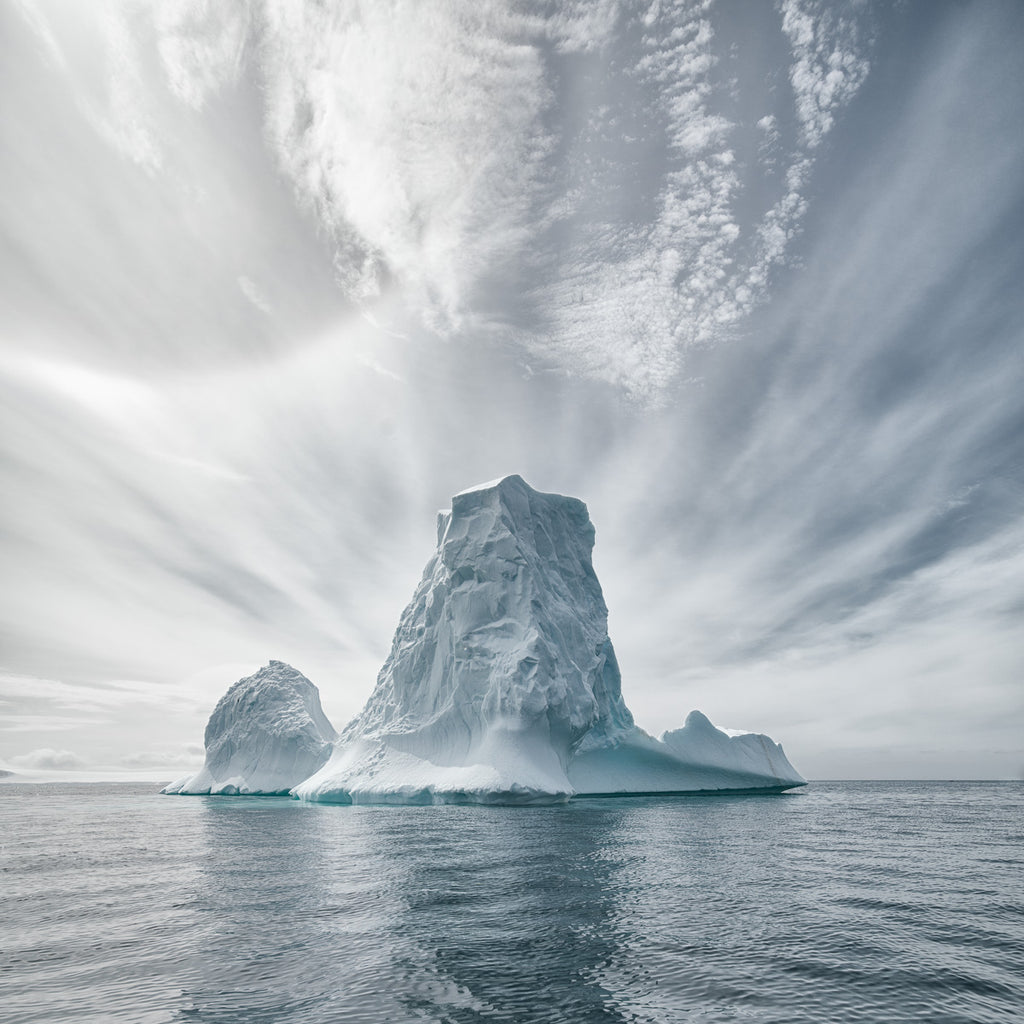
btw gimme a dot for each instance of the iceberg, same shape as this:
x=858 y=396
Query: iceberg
x=502 y=684
x=696 y=758
x=266 y=735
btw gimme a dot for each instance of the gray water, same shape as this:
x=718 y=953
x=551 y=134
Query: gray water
x=846 y=902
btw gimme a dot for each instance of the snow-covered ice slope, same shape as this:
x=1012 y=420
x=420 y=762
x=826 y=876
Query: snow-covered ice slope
x=266 y=734
x=502 y=684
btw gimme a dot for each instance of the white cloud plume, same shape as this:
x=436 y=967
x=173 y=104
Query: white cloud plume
x=202 y=46
x=571 y=178
x=829 y=65
x=415 y=131
x=566 y=177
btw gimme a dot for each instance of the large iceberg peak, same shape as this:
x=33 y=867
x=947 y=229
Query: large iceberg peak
x=266 y=734
x=500 y=665
x=518 y=510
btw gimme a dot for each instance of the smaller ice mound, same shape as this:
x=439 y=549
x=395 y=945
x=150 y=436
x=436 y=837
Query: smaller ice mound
x=266 y=735
x=698 y=757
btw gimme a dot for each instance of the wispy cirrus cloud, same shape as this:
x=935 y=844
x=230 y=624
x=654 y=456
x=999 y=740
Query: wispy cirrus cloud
x=829 y=66
x=166 y=755
x=416 y=132
x=113 y=94
x=576 y=181
x=634 y=290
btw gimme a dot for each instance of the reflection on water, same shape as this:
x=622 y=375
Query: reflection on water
x=407 y=913
x=852 y=902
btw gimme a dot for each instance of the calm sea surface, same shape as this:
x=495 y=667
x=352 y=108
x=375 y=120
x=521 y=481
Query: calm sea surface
x=846 y=902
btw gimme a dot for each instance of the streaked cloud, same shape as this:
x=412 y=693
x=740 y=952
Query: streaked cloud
x=42 y=723
x=114 y=101
x=452 y=157
x=213 y=455
x=253 y=293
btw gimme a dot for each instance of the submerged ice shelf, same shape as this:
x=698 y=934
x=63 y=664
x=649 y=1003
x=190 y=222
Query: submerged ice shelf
x=502 y=686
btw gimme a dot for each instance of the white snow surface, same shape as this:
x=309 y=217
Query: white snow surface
x=502 y=684
x=266 y=735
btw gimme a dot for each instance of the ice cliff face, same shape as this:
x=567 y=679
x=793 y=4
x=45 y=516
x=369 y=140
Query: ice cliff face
x=501 y=663
x=502 y=684
x=266 y=735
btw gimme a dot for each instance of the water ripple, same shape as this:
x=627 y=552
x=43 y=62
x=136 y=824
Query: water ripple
x=867 y=902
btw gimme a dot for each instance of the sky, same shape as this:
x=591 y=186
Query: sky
x=278 y=279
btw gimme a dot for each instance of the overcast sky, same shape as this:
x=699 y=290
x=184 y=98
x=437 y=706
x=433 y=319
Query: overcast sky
x=279 y=279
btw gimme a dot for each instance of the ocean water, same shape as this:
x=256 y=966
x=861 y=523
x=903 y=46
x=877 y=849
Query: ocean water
x=845 y=902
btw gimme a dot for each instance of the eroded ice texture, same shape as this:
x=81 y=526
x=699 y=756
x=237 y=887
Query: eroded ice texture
x=502 y=684
x=266 y=734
